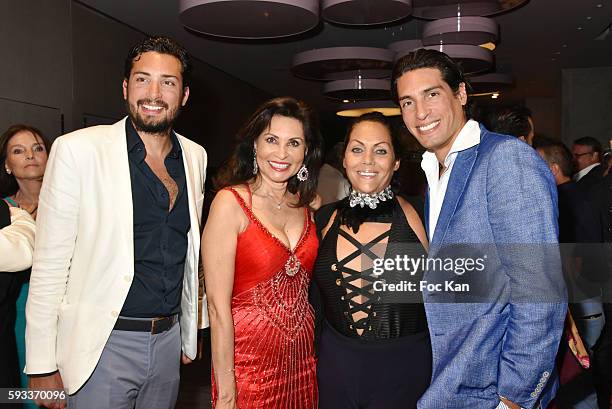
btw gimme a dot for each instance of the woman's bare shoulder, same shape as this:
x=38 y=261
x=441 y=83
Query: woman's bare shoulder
x=414 y=220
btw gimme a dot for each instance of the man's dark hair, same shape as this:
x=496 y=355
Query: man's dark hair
x=161 y=45
x=591 y=142
x=512 y=121
x=422 y=58
x=557 y=153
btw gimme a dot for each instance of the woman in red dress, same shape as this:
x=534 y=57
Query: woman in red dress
x=258 y=250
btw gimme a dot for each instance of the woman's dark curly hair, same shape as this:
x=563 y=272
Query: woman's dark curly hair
x=239 y=169
x=8 y=183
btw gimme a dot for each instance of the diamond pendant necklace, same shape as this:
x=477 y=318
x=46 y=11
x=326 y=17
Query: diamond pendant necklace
x=278 y=204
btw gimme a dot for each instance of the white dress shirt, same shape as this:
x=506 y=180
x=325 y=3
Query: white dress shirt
x=584 y=172
x=468 y=137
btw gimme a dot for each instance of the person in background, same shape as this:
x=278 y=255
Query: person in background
x=23 y=155
x=494 y=345
x=17 y=230
x=258 y=249
x=23 y=159
x=587 y=153
x=333 y=186
x=515 y=121
x=601 y=199
x=114 y=289
x=578 y=226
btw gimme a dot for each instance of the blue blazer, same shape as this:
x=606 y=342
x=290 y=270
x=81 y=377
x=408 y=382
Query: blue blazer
x=500 y=194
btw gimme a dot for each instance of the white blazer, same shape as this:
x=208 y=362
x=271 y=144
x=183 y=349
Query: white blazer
x=17 y=241
x=84 y=252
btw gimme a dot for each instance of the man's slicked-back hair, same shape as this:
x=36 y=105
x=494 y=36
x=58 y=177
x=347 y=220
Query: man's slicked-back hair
x=591 y=142
x=450 y=70
x=557 y=153
x=161 y=45
x=512 y=121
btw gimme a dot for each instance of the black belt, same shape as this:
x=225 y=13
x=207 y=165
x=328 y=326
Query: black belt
x=153 y=325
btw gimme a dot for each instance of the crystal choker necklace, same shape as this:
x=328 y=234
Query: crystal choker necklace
x=370 y=200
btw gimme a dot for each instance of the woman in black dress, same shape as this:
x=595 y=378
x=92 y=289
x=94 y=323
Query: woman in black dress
x=373 y=345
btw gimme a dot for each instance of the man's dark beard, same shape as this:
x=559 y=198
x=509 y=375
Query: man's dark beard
x=163 y=126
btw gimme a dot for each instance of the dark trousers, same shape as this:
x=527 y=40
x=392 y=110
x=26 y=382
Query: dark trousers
x=385 y=374
x=10 y=284
x=603 y=359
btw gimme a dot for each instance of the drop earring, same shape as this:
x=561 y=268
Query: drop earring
x=302 y=174
x=8 y=171
x=255 y=167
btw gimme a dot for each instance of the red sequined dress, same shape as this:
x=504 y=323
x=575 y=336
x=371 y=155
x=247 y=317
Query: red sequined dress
x=273 y=322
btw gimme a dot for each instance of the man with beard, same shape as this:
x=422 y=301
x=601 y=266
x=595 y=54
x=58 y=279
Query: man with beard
x=114 y=286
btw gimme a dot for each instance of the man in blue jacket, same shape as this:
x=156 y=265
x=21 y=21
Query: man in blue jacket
x=492 y=198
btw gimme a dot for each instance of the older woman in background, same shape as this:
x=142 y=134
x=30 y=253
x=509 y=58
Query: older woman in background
x=16 y=247
x=23 y=158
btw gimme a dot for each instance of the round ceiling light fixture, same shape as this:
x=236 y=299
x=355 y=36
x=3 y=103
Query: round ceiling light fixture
x=491 y=82
x=387 y=108
x=472 y=58
x=358 y=89
x=461 y=30
x=435 y=9
x=341 y=63
x=249 y=19
x=365 y=12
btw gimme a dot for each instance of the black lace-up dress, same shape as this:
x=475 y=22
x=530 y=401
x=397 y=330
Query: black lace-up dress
x=373 y=347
